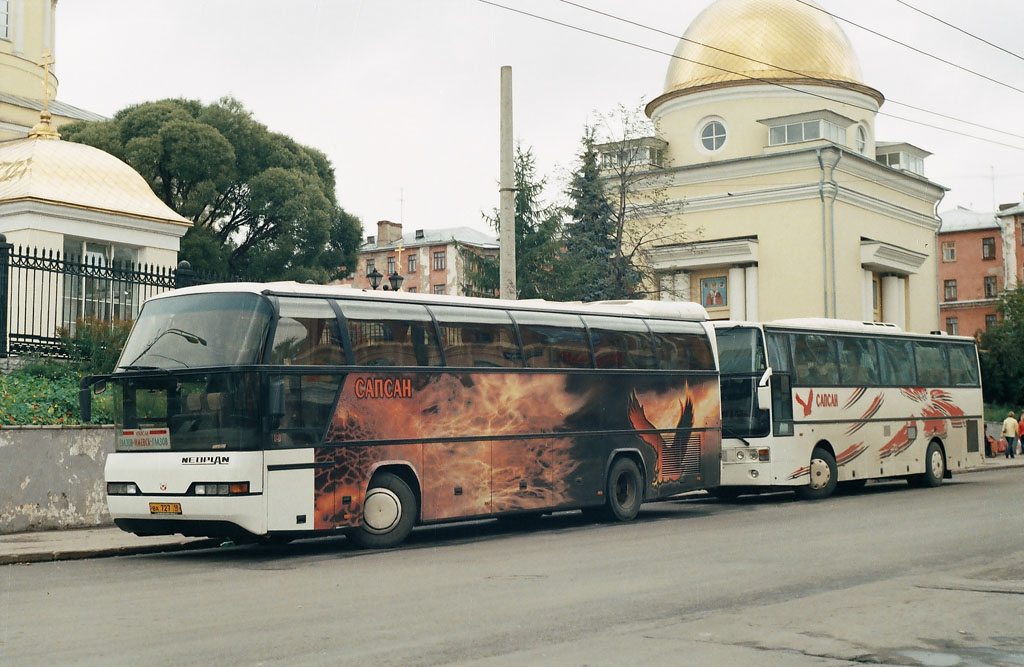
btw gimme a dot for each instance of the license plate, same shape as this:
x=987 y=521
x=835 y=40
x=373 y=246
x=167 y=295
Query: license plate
x=165 y=508
x=144 y=438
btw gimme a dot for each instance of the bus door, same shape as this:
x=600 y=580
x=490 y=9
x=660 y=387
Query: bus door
x=744 y=368
x=781 y=382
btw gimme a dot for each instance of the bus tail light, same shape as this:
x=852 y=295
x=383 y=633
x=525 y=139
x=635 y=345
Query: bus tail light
x=220 y=489
x=122 y=489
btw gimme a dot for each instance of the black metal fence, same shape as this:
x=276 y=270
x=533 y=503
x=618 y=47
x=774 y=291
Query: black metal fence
x=42 y=292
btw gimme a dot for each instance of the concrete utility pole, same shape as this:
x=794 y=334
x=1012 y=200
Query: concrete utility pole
x=507 y=189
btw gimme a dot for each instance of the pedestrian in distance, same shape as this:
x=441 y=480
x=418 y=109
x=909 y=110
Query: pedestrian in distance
x=1010 y=434
x=1020 y=431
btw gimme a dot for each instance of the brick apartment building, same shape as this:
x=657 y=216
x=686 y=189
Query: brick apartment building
x=981 y=254
x=427 y=260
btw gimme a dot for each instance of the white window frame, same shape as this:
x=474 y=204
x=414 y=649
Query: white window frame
x=724 y=135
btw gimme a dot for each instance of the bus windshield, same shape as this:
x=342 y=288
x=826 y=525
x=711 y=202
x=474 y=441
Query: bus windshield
x=195 y=330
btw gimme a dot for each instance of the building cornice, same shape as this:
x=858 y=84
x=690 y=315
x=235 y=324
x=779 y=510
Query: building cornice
x=888 y=258
x=709 y=254
x=54 y=206
x=47 y=211
x=839 y=92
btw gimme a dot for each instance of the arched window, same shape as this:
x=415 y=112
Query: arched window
x=862 y=139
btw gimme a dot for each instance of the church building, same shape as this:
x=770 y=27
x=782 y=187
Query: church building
x=772 y=170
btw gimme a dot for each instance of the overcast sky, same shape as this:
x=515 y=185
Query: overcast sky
x=402 y=95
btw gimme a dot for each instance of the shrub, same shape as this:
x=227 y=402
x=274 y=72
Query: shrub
x=94 y=345
x=27 y=399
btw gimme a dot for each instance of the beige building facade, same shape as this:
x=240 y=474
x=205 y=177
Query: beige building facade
x=771 y=151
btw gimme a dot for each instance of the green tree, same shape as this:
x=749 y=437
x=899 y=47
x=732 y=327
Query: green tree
x=1002 y=352
x=594 y=266
x=538 y=241
x=261 y=204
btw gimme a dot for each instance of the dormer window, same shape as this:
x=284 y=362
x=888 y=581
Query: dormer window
x=645 y=152
x=810 y=126
x=903 y=161
x=903 y=156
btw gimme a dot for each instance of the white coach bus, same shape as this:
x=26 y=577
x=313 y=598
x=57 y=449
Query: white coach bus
x=813 y=404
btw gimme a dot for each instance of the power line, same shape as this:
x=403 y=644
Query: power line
x=781 y=68
x=745 y=76
x=959 y=29
x=908 y=46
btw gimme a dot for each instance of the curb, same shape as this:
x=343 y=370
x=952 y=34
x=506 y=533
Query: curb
x=104 y=552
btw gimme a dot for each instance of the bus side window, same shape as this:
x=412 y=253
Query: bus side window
x=896 y=361
x=477 y=337
x=306 y=334
x=391 y=334
x=553 y=340
x=682 y=346
x=962 y=366
x=857 y=362
x=621 y=342
x=778 y=352
x=815 y=359
x=932 y=365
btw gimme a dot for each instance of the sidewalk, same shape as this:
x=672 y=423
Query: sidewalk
x=42 y=546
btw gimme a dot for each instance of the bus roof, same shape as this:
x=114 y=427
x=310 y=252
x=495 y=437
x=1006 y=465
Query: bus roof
x=837 y=326
x=680 y=310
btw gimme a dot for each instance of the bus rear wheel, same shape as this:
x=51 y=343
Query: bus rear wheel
x=934 y=468
x=625 y=491
x=823 y=476
x=389 y=513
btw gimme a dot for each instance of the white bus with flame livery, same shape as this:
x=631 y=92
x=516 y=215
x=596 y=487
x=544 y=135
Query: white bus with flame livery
x=812 y=404
x=287 y=410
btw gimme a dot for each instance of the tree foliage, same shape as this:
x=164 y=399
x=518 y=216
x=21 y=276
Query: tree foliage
x=262 y=204
x=594 y=266
x=538 y=241
x=642 y=214
x=1002 y=352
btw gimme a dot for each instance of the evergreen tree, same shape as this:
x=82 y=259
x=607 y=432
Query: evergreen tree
x=538 y=241
x=595 y=269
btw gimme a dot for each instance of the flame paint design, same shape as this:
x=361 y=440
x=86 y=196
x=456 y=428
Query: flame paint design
x=872 y=410
x=899 y=442
x=487 y=442
x=855 y=396
x=850 y=453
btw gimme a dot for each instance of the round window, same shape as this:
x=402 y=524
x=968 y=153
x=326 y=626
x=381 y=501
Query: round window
x=712 y=136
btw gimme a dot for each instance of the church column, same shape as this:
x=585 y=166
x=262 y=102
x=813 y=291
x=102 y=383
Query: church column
x=892 y=301
x=750 y=273
x=867 y=297
x=737 y=292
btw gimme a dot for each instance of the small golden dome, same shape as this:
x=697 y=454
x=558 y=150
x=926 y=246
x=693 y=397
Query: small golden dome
x=62 y=172
x=775 y=40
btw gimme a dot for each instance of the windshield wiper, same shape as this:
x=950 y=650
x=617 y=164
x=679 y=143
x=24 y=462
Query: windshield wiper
x=187 y=335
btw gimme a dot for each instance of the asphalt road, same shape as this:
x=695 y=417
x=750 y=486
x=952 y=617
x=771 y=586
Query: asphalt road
x=891 y=575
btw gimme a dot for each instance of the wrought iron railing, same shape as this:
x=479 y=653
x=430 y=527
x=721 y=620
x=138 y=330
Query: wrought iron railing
x=42 y=292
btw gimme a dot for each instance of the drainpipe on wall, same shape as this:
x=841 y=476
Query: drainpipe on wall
x=824 y=246
x=937 y=249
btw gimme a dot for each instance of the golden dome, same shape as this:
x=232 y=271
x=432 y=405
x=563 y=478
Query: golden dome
x=70 y=174
x=782 y=41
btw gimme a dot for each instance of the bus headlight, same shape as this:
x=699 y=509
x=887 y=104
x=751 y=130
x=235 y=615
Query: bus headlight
x=740 y=455
x=122 y=489
x=219 y=489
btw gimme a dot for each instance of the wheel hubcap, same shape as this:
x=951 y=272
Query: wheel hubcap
x=623 y=490
x=938 y=465
x=821 y=475
x=382 y=510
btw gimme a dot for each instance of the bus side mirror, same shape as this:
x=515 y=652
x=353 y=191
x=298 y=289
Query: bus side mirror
x=764 y=391
x=87 y=386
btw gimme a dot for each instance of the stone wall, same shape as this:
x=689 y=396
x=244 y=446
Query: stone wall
x=52 y=477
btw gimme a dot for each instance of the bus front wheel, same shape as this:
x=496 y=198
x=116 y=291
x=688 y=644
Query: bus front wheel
x=823 y=476
x=625 y=491
x=389 y=513
x=934 y=467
